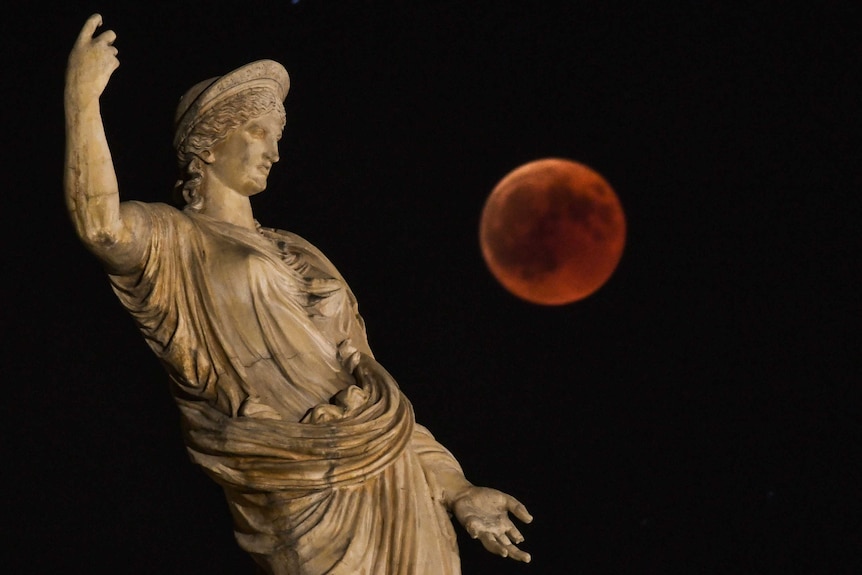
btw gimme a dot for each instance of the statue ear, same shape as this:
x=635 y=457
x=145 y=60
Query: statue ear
x=207 y=156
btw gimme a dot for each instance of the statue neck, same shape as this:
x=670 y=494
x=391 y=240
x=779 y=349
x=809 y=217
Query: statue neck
x=224 y=204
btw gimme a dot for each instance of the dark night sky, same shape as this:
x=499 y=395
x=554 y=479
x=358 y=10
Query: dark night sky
x=699 y=414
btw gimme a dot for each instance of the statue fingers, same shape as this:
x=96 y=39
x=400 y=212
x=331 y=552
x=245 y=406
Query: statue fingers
x=89 y=28
x=515 y=535
x=106 y=40
x=500 y=545
x=517 y=509
x=491 y=544
x=474 y=526
x=107 y=37
x=504 y=540
x=518 y=555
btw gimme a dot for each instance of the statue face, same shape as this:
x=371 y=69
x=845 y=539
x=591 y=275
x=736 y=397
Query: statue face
x=243 y=159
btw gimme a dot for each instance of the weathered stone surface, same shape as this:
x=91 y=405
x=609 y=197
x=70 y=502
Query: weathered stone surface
x=323 y=465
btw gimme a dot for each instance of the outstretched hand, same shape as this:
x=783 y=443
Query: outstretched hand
x=484 y=513
x=91 y=62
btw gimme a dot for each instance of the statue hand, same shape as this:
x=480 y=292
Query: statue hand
x=484 y=513
x=91 y=63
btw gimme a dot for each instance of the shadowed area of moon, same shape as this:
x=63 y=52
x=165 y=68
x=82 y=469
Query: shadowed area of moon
x=552 y=231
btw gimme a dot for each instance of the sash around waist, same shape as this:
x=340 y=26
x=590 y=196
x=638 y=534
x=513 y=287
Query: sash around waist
x=266 y=455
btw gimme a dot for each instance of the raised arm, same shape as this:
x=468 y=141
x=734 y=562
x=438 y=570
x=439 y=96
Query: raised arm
x=90 y=182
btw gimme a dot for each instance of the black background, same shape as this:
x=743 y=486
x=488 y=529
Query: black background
x=699 y=414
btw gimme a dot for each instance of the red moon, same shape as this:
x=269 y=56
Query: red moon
x=552 y=231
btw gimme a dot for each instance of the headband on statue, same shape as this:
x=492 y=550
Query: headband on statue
x=204 y=96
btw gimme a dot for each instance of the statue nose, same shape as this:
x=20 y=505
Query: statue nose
x=271 y=153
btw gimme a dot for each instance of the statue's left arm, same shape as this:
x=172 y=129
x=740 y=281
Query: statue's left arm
x=484 y=512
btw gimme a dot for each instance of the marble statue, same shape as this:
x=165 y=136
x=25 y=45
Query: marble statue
x=323 y=465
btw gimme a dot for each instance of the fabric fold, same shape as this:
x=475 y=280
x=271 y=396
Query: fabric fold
x=267 y=455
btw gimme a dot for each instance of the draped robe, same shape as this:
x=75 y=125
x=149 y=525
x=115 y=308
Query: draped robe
x=253 y=328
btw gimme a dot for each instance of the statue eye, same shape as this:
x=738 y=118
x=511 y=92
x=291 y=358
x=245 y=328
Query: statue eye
x=257 y=131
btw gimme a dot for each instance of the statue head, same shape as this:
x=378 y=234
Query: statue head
x=214 y=108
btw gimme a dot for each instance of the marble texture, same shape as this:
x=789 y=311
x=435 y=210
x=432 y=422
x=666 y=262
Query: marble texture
x=322 y=462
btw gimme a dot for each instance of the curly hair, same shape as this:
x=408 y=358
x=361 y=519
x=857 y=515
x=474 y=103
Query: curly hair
x=211 y=129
